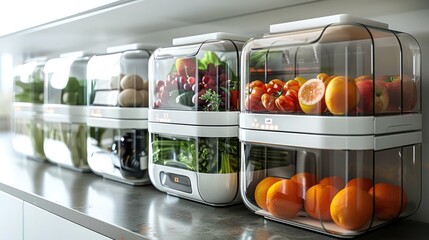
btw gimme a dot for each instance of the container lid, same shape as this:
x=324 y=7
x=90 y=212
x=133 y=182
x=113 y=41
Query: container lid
x=208 y=36
x=322 y=22
x=125 y=47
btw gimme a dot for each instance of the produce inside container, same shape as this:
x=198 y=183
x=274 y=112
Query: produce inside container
x=29 y=82
x=341 y=69
x=119 y=79
x=65 y=144
x=337 y=192
x=201 y=76
x=67 y=82
x=199 y=154
x=28 y=135
x=114 y=150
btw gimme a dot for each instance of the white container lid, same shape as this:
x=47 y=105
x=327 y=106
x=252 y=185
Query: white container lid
x=199 y=118
x=322 y=22
x=208 y=36
x=139 y=113
x=125 y=47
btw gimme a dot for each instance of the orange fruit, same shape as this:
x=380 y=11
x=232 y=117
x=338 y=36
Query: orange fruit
x=337 y=182
x=262 y=189
x=283 y=200
x=360 y=182
x=310 y=96
x=318 y=201
x=341 y=95
x=301 y=80
x=351 y=208
x=305 y=181
x=388 y=201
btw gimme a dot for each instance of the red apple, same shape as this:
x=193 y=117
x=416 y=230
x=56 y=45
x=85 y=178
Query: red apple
x=409 y=93
x=370 y=96
x=186 y=67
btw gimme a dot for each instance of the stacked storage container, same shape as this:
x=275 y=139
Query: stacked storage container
x=28 y=109
x=65 y=111
x=193 y=118
x=118 y=114
x=331 y=125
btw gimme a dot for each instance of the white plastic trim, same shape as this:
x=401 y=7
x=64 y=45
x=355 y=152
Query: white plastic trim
x=118 y=112
x=126 y=47
x=195 y=131
x=194 y=117
x=208 y=36
x=117 y=123
x=322 y=22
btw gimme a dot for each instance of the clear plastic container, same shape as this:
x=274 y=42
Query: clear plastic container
x=363 y=70
x=194 y=162
x=193 y=118
x=328 y=103
x=65 y=111
x=28 y=108
x=118 y=114
x=330 y=187
x=119 y=79
x=198 y=73
x=119 y=154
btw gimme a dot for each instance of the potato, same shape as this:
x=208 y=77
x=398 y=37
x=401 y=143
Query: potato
x=145 y=84
x=145 y=96
x=130 y=98
x=132 y=81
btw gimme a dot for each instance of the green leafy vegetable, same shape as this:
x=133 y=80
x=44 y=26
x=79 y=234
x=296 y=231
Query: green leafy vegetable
x=213 y=99
x=205 y=155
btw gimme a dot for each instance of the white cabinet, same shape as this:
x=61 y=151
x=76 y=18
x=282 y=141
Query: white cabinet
x=11 y=217
x=41 y=224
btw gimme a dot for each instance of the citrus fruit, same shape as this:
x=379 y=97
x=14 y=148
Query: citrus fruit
x=337 y=182
x=351 y=208
x=283 y=200
x=390 y=200
x=305 y=181
x=318 y=201
x=310 y=96
x=341 y=95
x=301 y=80
x=360 y=182
x=261 y=190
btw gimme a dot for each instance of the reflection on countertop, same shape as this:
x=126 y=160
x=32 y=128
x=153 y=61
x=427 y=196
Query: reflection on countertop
x=120 y=211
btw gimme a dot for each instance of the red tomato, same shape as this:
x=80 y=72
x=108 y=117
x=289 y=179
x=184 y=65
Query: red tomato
x=258 y=91
x=274 y=89
x=285 y=103
x=291 y=85
x=256 y=83
x=277 y=81
x=253 y=103
x=268 y=101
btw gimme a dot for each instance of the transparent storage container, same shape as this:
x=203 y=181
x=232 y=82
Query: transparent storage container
x=335 y=66
x=118 y=114
x=65 y=111
x=334 y=185
x=119 y=79
x=28 y=108
x=197 y=73
x=194 y=162
x=193 y=118
x=119 y=150
x=336 y=97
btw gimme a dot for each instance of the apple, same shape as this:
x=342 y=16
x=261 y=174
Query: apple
x=186 y=67
x=409 y=93
x=372 y=94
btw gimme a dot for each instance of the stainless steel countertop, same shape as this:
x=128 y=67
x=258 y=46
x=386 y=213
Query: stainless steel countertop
x=125 y=212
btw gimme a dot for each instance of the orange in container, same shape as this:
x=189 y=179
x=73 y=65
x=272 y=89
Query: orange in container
x=283 y=200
